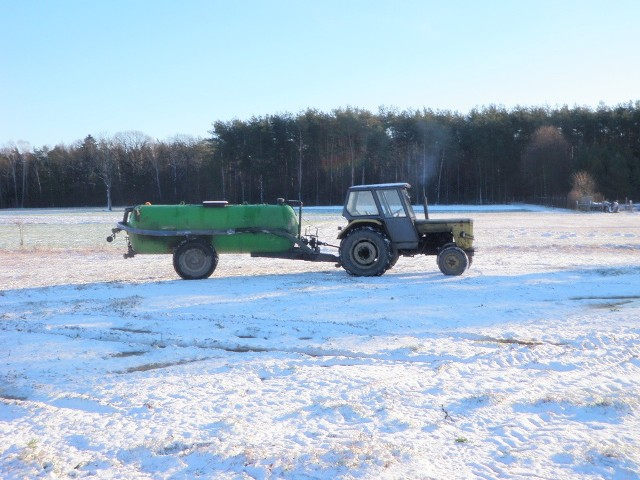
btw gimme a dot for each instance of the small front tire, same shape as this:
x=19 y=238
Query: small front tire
x=195 y=259
x=453 y=261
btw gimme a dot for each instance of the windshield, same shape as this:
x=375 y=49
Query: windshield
x=408 y=203
x=391 y=203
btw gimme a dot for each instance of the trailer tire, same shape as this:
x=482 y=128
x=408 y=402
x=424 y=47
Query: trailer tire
x=453 y=261
x=365 y=252
x=195 y=259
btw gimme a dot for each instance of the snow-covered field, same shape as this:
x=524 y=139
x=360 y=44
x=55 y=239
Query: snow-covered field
x=527 y=366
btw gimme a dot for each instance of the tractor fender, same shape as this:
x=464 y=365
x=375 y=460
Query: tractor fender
x=367 y=222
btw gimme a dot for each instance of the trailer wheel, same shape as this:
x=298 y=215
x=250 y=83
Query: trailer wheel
x=195 y=259
x=453 y=261
x=365 y=252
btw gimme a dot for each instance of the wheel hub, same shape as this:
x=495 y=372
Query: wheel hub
x=451 y=261
x=365 y=253
x=195 y=260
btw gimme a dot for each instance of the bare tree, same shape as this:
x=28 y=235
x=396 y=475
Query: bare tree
x=184 y=163
x=135 y=147
x=12 y=160
x=154 y=158
x=583 y=183
x=546 y=162
x=25 y=157
x=106 y=167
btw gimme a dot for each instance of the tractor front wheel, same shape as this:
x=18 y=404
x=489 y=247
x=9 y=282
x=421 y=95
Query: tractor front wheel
x=453 y=261
x=365 y=252
x=195 y=259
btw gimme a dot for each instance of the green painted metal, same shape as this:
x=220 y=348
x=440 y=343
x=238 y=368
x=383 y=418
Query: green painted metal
x=230 y=228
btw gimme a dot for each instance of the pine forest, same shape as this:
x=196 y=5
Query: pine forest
x=491 y=155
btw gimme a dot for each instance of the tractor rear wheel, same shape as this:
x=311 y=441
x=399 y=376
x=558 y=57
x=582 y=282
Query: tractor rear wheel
x=395 y=255
x=453 y=261
x=365 y=252
x=195 y=259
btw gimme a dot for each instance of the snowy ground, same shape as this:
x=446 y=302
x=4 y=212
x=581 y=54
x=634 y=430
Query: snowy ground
x=527 y=366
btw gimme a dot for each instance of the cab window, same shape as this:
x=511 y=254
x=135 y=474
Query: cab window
x=391 y=203
x=361 y=203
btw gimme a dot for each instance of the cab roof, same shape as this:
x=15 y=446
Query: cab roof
x=378 y=186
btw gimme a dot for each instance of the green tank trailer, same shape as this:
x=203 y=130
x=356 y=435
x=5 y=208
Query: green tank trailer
x=382 y=227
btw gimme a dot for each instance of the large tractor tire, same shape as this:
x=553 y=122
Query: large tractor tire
x=195 y=259
x=395 y=255
x=453 y=260
x=365 y=252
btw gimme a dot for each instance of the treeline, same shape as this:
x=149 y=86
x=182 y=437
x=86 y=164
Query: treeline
x=490 y=155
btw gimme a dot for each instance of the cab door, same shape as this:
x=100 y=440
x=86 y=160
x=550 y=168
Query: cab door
x=398 y=220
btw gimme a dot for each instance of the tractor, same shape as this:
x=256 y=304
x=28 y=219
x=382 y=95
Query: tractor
x=383 y=227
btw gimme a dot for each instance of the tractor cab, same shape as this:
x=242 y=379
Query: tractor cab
x=387 y=205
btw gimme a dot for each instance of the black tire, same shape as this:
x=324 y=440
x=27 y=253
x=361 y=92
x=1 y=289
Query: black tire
x=195 y=259
x=453 y=261
x=395 y=255
x=365 y=252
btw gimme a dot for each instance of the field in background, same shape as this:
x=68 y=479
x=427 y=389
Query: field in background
x=53 y=247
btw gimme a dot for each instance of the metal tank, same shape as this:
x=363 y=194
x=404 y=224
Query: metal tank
x=229 y=228
x=196 y=234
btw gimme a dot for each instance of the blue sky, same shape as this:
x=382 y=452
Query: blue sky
x=70 y=68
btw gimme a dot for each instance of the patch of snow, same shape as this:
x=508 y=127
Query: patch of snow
x=526 y=365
